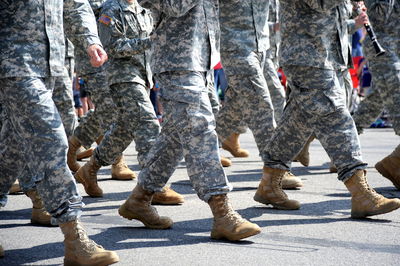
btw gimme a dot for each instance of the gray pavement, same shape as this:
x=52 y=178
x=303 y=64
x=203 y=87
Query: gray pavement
x=320 y=233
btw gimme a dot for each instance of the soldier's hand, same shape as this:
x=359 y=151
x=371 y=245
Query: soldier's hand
x=361 y=19
x=97 y=55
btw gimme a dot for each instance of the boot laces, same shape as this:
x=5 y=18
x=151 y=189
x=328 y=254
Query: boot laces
x=234 y=216
x=280 y=191
x=374 y=195
x=88 y=245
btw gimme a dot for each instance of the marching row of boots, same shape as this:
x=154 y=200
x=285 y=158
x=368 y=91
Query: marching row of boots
x=365 y=201
x=87 y=175
x=227 y=223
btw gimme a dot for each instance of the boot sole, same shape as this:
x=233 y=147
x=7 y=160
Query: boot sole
x=218 y=236
x=105 y=262
x=382 y=170
x=363 y=215
x=276 y=206
x=122 y=211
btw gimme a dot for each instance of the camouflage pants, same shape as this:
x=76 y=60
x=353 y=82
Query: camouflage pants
x=135 y=119
x=247 y=101
x=385 y=94
x=64 y=100
x=188 y=130
x=317 y=104
x=35 y=125
x=275 y=87
x=99 y=121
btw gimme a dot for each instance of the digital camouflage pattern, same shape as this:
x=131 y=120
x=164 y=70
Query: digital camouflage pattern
x=96 y=123
x=188 y=131
x=244 y=41
x=32 y=56
x=317 y=102
x=64 y=100
x=83 y=66
x=124 y=30
x=317 y=20
x=385 y=69
x=183 y=29
x=275 y=87
x=178 y=36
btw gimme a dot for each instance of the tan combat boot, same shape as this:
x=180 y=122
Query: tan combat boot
x=1 y=251
x=228 y=223
x=15 y=188
x=389 y=167
x=232 y=145
x=138 y=207
x=87 y=175
x=304 y=156
x=270 y=190
x=167 y=197
x=83 y=153
x=80 y=250
x=121 y=171
x=290 y=181
x=364 y=200
x=39 y=214
x=225 y=162
x=73 y=147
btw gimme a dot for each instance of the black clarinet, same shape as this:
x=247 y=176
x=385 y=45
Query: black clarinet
x=378 y=48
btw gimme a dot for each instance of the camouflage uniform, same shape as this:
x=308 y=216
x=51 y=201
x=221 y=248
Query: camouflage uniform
x=245 y=39
x=124 y=30
x=32 y=57
x=385 y=69
x=312 y=54
x=95 y=123
x=186 y=41
x=63 y=95
x=271 y=66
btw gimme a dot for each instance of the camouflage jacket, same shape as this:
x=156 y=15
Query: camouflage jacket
x=315 y=33
x=385 y=19
x=244 y=26
x=186 y=35
x=32 y=35
x=124 y=30
x=82 y=64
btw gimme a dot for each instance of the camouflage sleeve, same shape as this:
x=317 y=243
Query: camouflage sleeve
x=172 y=8
x=112 y=35
x=323 y=5
x=379 y=10
x=80 y=23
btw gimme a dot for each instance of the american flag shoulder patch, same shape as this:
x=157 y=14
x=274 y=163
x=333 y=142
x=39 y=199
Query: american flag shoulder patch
x=106 y=20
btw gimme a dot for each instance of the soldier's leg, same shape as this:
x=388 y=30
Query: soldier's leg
x=369 y=109
x=389 y=83
x=136 y=120
x=189 y=111
x=101 y=119
x=95 y=123
x=64 y=100
x=277 y=91
x=39 y=127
